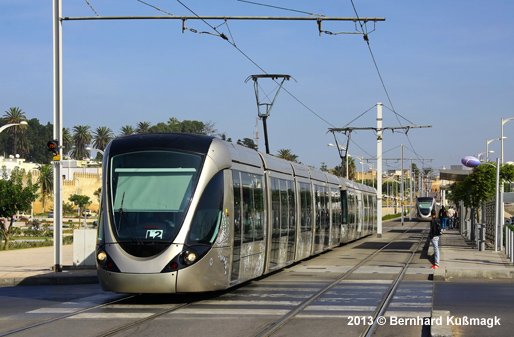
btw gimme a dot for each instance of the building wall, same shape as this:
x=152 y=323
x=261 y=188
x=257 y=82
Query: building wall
x=78 y=178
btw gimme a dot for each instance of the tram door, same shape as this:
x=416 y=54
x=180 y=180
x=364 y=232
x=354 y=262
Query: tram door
x=249 y=226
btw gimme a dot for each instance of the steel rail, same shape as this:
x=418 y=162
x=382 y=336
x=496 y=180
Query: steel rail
x=66 y=316
x=390 y=293
x=303 y=305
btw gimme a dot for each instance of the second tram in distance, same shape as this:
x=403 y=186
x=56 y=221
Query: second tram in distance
x=188 y=213
x=424 y=205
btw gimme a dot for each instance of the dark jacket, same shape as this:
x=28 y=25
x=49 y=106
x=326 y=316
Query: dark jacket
x=434 y=228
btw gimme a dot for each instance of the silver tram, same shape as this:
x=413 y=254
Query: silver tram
x=424 y=205
x=189 y=213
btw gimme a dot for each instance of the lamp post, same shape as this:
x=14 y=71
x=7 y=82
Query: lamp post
x=497 y=207
x=489 y=142
x=347 y=155
x=362 y=167
x=13 y=124
x=503 y=122
x=372 y=174
x=482 y=153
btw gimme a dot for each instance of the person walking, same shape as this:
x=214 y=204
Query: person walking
x=443 y=217
x=435 y=233
x=451 y=214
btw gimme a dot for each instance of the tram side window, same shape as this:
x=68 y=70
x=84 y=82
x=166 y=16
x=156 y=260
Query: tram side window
x=258 y=193
x=237 y=205
x=344 y=205
x=207 y=218
x=249 y=205
x=306 y=209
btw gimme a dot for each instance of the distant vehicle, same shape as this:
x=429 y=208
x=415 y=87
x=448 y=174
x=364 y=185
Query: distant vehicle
x=424 y=205
x=88 y=213
x=50 y=214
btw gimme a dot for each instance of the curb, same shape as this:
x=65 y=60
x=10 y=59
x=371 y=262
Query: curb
x=443 y=274
x=439 y=326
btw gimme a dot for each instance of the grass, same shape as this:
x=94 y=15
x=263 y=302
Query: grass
x=31 y=243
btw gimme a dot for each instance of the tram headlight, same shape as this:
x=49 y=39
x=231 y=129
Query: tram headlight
x=101 y=257
x=189 y=257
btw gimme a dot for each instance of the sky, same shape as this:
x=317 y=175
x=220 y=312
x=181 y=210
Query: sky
x=443 y=64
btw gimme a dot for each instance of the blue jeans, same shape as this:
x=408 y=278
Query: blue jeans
x=450 y=222
x=443 y=223
x=435 y=244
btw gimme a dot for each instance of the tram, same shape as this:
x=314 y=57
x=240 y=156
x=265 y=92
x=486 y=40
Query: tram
x=424 y=205
x=185 y=213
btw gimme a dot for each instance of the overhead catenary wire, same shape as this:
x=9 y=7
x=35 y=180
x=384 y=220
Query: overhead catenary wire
x=92 y=8
x=366 y=38
x=157 y=8
x=287 y=9
x=360 y=20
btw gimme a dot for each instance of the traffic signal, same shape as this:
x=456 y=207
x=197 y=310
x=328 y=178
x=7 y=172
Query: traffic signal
x=53 y=146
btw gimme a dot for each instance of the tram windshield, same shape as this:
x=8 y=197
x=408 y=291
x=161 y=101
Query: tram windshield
x=150 y=192
x=425 y=203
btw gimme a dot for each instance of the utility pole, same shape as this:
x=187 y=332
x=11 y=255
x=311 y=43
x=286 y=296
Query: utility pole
x=58 y=125
x=379 y=130
x=402 y=191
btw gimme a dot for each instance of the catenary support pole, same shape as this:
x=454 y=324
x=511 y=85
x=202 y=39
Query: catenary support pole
x=57 y=132
x=379 y=170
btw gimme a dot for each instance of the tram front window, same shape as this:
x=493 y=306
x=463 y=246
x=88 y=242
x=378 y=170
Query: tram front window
x=150 y=192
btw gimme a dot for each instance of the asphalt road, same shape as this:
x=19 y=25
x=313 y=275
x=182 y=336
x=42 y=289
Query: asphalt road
x=489 y=303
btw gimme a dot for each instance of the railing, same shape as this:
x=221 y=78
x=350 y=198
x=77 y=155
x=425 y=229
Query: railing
x=509 y=241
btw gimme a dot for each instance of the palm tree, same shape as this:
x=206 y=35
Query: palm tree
x=15 y=115
x=127 y=130
x=67 y=140
x=46 y=181
x=287 y=155
x=142 y=127
x=102 y=136
x=81 y=139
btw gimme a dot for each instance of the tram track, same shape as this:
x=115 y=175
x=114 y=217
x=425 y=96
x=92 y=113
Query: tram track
x=380 y=308
x=204 y=300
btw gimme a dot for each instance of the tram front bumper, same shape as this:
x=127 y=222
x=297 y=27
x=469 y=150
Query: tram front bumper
x=129 y=283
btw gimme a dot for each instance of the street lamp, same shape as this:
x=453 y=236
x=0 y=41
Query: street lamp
x=344 y=149
x=13 y=124
x=482 y=153
x=372 y=174
x=497 y=208
x=489 y=142
x=503 y=122
x=90 y=149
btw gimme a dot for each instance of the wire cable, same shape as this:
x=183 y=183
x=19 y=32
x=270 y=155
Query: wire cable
x=159 y=9
x=287 y=9
x=92 y=8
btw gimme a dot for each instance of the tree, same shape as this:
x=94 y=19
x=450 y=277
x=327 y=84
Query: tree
x=81 y=139
x=81 y=201
x=351 y=168
x=46 y=181
x=287 y=155
x=247 y=142
x=324 y=167
x=102 y=136
x=480 y=185
x=126 y=130
x=15 y=115
x=142 y=127
x=16 y=197
x=67 y=140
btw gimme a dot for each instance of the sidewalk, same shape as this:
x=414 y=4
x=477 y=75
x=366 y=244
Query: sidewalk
x=461 y=259
x=33 y=267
